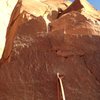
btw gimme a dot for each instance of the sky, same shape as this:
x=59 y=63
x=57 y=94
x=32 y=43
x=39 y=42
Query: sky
x=95 y=3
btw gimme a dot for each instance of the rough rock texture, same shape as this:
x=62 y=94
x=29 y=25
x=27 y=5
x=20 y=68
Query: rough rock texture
x=76 y=24
x=23 y=12
x=71 y=47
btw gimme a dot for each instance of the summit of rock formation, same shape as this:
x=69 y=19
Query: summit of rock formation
x=46 y=37
x=84 y=7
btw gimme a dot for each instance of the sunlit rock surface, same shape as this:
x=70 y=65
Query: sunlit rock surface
x=32 y=56
x=6 y=8
x=85 y=8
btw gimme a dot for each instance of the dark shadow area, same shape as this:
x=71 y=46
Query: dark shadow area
x=75 y=6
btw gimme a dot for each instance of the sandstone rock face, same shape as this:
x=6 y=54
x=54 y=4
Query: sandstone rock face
x=33 y=56
x=6 y=7
x=25 y=9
